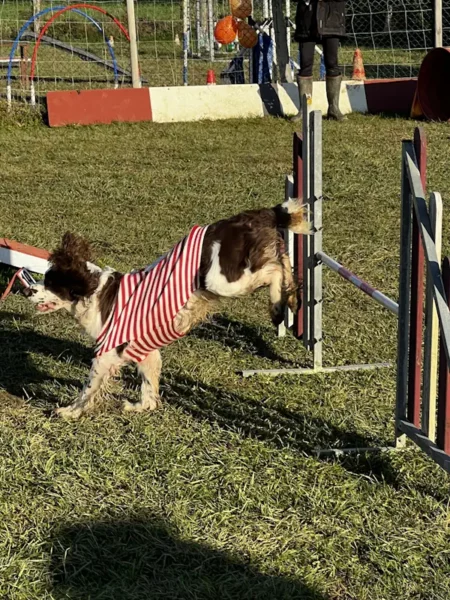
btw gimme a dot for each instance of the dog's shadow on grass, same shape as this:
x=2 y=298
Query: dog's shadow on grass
x=237 y=336
x=18 y=370
x=278 y=426
x=140 y=559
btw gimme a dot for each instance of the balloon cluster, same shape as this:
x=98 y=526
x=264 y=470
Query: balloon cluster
x=227 y=28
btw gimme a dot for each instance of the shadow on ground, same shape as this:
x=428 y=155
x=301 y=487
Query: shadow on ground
x=237 y=336
x=234 y=412
x=17 y=367
x=143 y=559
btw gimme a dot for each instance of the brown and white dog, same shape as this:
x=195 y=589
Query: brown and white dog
x=238 y=256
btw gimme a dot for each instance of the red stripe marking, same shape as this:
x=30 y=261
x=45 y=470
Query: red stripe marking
x=24 y=248
x=368 y=289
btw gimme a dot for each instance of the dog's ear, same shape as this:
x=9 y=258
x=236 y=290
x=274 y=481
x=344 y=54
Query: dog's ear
x=73 y=252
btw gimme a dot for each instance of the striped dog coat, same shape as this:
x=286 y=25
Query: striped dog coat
x=149 y=300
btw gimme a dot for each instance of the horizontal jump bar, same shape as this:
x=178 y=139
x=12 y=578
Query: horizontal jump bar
x=357 y=282
x=315 y=371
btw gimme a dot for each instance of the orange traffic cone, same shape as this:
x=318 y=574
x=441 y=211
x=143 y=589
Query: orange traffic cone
x=211 y=77
x=359 y=74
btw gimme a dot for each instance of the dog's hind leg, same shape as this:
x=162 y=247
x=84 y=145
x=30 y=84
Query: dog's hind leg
x=289 y=286
x=102 y=368
x=150 y=371
x=282 y=290
x=277 y=299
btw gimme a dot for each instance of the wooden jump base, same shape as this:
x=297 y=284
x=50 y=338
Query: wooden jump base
x=422 y=401
x=22 y=256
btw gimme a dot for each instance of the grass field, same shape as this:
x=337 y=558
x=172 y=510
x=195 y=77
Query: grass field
x=218 y=495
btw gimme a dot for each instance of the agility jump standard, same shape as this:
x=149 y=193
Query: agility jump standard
x=423 y=364
x=308 y=258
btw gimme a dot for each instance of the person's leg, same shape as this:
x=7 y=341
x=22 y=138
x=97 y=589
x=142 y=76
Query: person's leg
x=304 y=76
x=334 y=77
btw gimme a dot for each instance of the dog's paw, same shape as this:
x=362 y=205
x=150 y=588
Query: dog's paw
x=68 y=412
x=143 y=405
x=277 y=313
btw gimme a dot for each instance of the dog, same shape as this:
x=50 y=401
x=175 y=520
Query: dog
x=131 y=319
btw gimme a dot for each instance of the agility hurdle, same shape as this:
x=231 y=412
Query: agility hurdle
x=422 y=411
x=22 y=256
x=308 y=258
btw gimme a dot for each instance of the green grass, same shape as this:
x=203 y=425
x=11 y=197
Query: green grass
x=219 y=494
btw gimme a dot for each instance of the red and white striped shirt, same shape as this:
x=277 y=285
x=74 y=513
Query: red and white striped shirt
x=149 y=300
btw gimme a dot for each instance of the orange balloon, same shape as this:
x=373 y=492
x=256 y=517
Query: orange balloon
x=241 y=8
x=247 y=36
x=225 y=30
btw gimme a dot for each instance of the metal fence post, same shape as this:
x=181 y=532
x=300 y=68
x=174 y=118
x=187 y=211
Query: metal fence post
x=298 y=239
x=307 y=258
x=315 y=244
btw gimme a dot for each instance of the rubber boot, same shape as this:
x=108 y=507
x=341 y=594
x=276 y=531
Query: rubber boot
x=333 y=92
x=305 y=86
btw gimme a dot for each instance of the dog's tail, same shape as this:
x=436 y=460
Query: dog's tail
x=292 y=215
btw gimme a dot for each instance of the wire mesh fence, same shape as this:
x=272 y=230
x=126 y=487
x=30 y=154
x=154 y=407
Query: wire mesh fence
x=84 y=45
x=393 y=35
x=62 y=46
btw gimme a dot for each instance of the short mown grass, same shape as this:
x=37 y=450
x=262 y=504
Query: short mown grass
x=220 y=493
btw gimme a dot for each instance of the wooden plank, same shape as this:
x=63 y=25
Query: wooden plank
x=443 y=416
x=417 y=295
x=423 y=218
x=89 y=107
x=404 y=300
x=431 y=344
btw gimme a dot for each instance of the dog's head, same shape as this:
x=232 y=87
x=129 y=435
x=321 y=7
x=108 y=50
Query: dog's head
x=70 y=279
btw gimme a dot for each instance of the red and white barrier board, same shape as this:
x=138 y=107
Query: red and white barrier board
x=20 y=255
x=213 y=102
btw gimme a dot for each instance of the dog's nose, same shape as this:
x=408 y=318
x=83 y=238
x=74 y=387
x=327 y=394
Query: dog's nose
x=27 y=292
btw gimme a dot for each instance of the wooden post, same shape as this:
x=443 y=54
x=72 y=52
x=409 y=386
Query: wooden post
x=403 y=301
x=417 y=294
x=36 y=9
x=135 y=76
x=24 y=65
x=438 y=23
x=431 y=344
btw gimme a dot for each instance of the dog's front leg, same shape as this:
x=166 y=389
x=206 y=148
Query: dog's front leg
x=102 y=367
x=150 y=371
